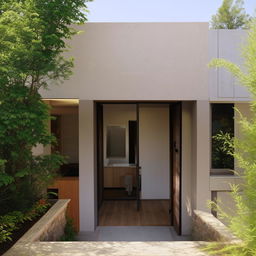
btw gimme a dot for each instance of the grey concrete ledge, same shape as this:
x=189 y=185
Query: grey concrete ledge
x=208 y=228
x=48 y=228
x=222 y=182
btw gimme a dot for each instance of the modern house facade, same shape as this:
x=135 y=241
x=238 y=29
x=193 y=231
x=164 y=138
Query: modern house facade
x=155 y=78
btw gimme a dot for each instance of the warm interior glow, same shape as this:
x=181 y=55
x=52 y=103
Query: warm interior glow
x=62 y=102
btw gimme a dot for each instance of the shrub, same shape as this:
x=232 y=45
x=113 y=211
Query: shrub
x=33 y=38
x=12 y=221
x=69 y=231
x=243 y=223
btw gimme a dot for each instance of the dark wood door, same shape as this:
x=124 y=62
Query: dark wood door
x=100 y=167
x=138 y=175
x=175 y=118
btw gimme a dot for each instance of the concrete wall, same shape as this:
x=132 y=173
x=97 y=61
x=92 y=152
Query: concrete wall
x=50 y=227
x=207 y=228
x=145 y=61
x=118 y=114
x=201 y=181
x=131 y=61
x=154 y=151
x=87 y=167
x=226 y=44
x=195 y=160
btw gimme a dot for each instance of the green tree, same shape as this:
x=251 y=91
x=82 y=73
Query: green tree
x=243 y=223
x=231 y=15
x=32 y=43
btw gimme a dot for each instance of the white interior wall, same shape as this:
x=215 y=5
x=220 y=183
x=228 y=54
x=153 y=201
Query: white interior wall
x=154 y=151
x=117 y=114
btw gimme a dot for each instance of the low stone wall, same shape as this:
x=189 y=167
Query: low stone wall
x=49 y=228
x=206 y=227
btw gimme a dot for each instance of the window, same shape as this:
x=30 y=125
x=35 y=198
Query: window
x=222 y=126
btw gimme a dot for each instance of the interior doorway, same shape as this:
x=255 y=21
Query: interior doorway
x=138 y=154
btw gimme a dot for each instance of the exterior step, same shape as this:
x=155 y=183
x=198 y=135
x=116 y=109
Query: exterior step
x=178 y=248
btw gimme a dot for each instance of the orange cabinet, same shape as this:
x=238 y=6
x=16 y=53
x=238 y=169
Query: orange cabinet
x=68 y=188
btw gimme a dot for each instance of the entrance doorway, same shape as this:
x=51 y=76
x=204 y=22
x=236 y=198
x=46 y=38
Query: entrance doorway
x=139 y=157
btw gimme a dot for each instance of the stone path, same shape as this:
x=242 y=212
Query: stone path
x=180 y=248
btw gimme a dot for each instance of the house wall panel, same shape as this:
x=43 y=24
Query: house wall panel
x=87 y=167
x=226 y=44
x=138 y=61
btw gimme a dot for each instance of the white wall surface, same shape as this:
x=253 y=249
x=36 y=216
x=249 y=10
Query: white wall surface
x=87 y=167
x=154 y=151
x=226 y=44
x=146 y=61
x=201 y=144
x=195 y=160
x=118 y=114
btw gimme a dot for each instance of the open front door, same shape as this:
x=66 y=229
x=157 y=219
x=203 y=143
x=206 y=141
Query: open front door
x=175 y=117
x=138 y=175
x=100 y=167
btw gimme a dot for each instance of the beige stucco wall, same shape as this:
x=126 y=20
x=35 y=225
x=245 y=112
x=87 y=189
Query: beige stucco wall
x=226 y=44
x=195 y=160
x=145 y=61
x=87 y=167
x=202 y=147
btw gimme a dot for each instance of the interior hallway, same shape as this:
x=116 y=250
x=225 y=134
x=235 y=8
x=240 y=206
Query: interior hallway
x=124 y=213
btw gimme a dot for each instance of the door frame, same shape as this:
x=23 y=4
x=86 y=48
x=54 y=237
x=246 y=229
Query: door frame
x=100 y=154
x=179 y=231
x=170 y=103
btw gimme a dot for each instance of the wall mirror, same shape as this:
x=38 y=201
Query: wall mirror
x=115 y=141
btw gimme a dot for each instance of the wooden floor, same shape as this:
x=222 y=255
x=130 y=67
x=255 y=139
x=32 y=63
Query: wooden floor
x=124 y=213
x=118 y=194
